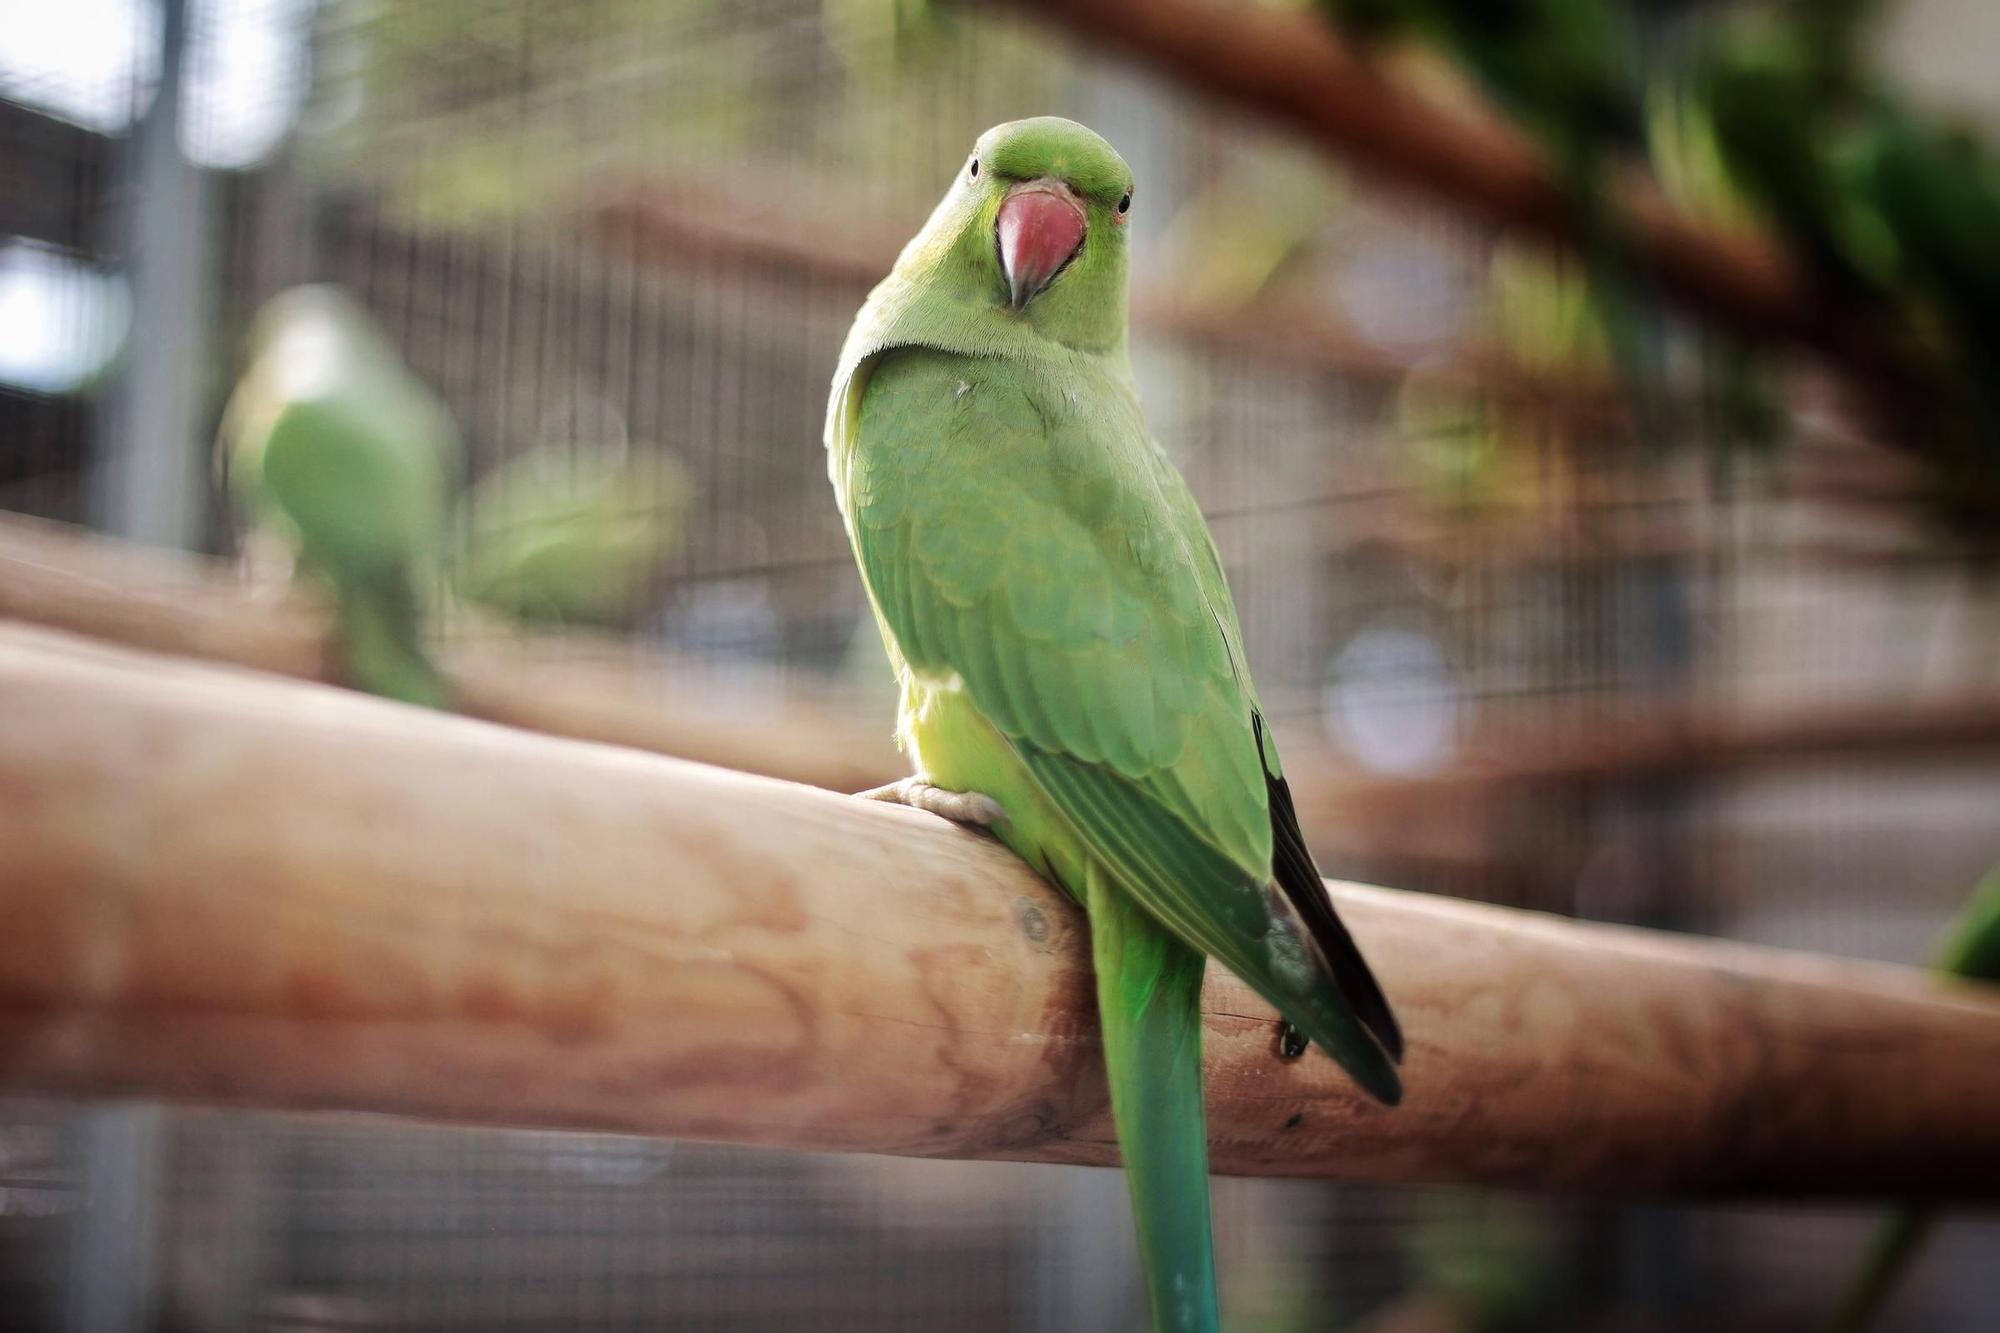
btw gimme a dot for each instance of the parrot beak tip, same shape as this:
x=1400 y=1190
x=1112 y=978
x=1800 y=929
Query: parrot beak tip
x=1039 y=229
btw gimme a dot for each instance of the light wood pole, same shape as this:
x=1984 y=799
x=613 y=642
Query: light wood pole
x=223 y=886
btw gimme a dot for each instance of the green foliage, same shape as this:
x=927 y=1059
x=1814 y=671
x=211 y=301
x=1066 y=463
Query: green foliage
x=1770 y=111
x=1493 y=1261
x=1238 y=236
x=1562 y=66
x=1780 y=117
x=1744 y=407
x=479 y=112
x=1687 y=159
x=470 y=112
x=1453 y=445
x=862 y=31
x=1541 y=311
x=1971 y=947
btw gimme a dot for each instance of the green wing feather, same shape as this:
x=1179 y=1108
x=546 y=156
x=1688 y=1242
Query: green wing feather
x=1058 y=568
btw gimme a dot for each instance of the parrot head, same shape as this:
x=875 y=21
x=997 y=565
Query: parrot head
x=302 y=341
x=306 y=328
x=1033 y=230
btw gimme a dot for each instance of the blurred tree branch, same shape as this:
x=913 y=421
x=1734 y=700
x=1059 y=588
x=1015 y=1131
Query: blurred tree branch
x=1298 y=70
x=579 y=685
x=592 y=688
x=735 y=224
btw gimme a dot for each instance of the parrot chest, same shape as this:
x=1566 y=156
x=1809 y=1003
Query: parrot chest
x=956 y=748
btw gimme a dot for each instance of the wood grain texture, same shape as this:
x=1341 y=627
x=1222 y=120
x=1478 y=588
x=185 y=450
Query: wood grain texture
x=229 y=887
x=575 y=684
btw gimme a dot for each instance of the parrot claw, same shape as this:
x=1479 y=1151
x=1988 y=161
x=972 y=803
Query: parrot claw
x=960 y=807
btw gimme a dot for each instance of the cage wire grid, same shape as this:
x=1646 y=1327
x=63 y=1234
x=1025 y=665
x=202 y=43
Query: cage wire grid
x=547 y=205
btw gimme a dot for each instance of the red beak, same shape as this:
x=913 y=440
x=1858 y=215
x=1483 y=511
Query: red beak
x=1039 y=228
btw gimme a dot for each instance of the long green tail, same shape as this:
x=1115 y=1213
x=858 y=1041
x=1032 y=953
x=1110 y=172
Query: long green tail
x=382 y=641
x=1149 y=1007
x=1970 y=949
x=1894 y=1246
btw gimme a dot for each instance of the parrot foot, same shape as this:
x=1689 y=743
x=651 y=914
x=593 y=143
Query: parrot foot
x=960 y=807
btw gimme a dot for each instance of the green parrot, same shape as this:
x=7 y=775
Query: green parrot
x=571 y=535
x=1970 y=949
x=1071 y=669
x=335 y=446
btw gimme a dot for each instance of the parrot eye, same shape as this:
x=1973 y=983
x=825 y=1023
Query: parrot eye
x=972 y=172
x=1125 y=203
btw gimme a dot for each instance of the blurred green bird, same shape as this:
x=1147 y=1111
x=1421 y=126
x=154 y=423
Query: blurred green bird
x=336 y=448
x=1071 y=667
x=1970 y=949
x=571 y=535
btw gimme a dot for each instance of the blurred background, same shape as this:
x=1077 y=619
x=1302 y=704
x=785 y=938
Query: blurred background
x=1721 y=661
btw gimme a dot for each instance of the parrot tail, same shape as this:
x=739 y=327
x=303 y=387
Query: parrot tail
x=1889 y=1254
x=1149 y=1008
x=382 y=642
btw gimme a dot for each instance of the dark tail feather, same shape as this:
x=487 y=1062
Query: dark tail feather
x=1299 y=879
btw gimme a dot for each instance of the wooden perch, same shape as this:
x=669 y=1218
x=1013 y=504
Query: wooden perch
x=567 y=685
x=229 y=887
x=1298 y=70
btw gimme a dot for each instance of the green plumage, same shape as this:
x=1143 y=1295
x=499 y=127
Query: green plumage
x=1065 y=641
x=1149 y=1010
x=571 y=535
x=334 y=446
x=1970 y=949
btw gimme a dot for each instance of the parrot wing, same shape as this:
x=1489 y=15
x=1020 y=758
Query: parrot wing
x=1057 y=567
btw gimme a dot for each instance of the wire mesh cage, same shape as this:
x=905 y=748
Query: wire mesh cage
x=1523 y=651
